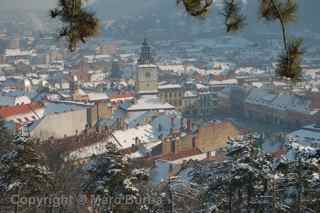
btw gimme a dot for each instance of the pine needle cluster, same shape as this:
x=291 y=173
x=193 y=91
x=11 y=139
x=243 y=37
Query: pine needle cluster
x=79 y=24
x=273 y=10
x=197 y=8
x=234 y=20
x=289 y=63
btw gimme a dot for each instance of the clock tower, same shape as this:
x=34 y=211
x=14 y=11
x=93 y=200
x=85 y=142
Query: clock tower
x=147 y=73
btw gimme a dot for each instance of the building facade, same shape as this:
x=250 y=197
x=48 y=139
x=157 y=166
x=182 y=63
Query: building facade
x=172 y=94
x=147 y=73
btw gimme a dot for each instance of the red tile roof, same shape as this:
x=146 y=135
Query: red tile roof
x=9 y=111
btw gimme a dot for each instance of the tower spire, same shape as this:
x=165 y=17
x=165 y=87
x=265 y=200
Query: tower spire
x=145 y=55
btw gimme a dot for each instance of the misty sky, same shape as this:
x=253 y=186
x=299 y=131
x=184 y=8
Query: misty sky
x=27 y=4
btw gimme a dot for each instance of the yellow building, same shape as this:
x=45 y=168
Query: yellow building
x=172 y=94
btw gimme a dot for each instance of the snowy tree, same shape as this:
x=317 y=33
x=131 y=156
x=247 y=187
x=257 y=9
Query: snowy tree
x=243 y=179
x=109 y=176
x=23 y=172
x=66 y=175
x=250 y=180
x=5 y=137
x=179 y=195
x=298 y=180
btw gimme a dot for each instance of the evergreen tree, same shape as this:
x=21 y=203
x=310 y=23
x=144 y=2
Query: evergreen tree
x=23 y=172
x=252 y=181
x=5 y=137
x=299 y=181
x=108 y=177
x=78 y=23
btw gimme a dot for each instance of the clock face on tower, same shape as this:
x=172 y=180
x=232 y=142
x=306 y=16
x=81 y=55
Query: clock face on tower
x=147 y=74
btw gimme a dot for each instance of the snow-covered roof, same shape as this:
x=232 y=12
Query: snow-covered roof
x=132 y=116
x=94 y=96
x=150 y=102
x=178 y=68
x=223 y=82
x=6 y=100
x=201 y=86
x=125 y=139
x=147 y=66
x=18 y=52
x=249 y=70
x=282 y=102
x=257 y=84
x=88 y=151
x=189 y=94
x=260 y=96
x=307 y=136
x=57 y=107
x=144 y=150
x=170 y=86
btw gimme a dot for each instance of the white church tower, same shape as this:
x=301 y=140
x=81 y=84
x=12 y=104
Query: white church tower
x=147 y=74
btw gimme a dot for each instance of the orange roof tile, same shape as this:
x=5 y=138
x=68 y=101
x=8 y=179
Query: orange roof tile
x=9 y=111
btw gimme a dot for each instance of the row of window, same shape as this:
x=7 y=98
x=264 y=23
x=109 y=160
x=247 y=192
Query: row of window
x=172 y=94
x=25 y=119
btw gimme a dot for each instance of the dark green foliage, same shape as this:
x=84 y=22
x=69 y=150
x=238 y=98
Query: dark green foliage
x=234 y=20
x=289 y=63
x=5 y=137
x=78 y=24
x=110 y=176
x=197 y=8
x=275 y=9
x=22 y=169
x=105 y=173
x=254 y=181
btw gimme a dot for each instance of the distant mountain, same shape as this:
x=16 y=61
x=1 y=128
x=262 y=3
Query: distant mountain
x=307 y=18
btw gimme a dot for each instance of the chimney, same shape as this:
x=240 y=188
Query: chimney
x=173 y=145
x=194 y=141
x=166 y=146
x=189 y=126
x=208 y=155
x=172 y=122
x=137 y=141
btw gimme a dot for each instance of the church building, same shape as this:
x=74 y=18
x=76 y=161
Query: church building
x=147 y=73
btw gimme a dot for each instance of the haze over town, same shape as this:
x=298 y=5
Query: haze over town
x=158 y=104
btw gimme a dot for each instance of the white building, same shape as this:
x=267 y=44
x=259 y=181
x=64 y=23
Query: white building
x=59 y=125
